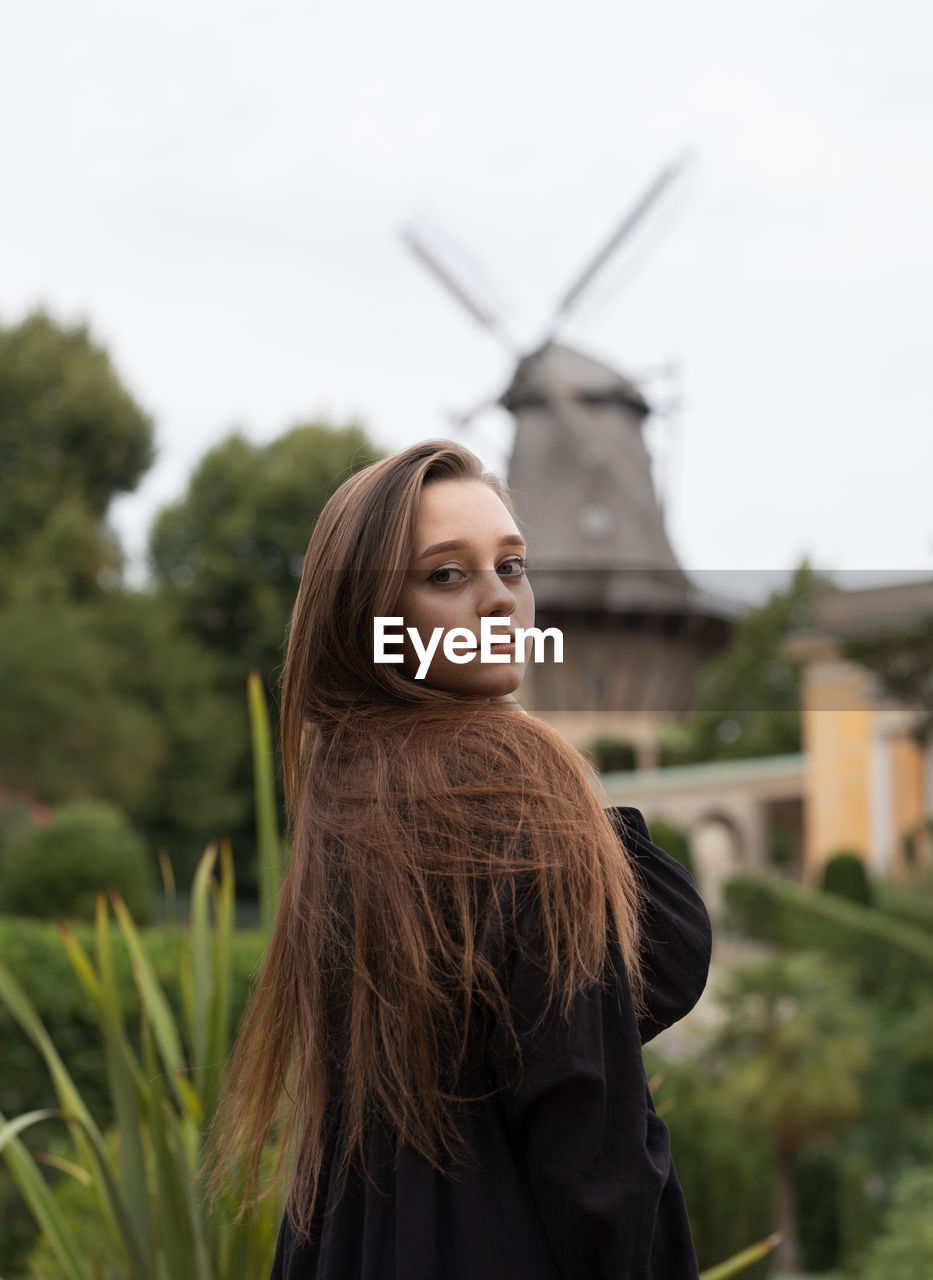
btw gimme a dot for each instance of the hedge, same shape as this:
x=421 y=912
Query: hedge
x=912 y=909
x=893 y=960
x=674 y=840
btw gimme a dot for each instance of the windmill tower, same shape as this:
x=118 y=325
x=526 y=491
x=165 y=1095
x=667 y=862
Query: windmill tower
x=636 y=630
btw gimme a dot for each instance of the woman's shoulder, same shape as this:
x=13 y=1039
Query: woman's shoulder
x=677 y=935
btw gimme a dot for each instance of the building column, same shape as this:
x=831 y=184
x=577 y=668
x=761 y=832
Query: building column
x=880 y=800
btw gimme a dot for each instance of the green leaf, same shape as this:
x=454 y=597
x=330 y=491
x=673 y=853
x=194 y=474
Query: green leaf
x=179 y=1220
x=201 y=960
x=81 y=963
x=35 y=1191
x=269 y=849
x=125 y=1081
x=221 y=1000
x=157 y=1008
x=16 y=1000
x=742 y=1261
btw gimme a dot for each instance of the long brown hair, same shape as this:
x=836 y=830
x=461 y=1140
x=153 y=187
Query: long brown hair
x=420 y=823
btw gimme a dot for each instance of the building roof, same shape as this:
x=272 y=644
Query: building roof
x=585 y=379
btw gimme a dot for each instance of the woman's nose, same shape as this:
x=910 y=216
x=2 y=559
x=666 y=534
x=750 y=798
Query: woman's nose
x=496 y=598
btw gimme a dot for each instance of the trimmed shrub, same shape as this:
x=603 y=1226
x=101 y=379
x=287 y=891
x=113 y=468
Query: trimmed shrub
x=891 y=960
x=846 y=877
x=613 y=755
x=908 y=904
x=673 y=840
x=58 y=870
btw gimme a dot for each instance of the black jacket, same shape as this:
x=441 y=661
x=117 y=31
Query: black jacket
x=572 y=1178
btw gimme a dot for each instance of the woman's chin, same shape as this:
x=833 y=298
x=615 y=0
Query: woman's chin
x=489 y=681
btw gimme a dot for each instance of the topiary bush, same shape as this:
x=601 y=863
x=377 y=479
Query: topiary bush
x=893 y=961
x=613 y=755
x=846 y=877
x=675 y=841
x=57 y=870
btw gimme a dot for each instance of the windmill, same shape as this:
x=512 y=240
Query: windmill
x=603 y=566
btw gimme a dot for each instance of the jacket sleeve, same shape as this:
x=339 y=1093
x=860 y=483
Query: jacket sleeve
x=677 y=936
x=580 y=1116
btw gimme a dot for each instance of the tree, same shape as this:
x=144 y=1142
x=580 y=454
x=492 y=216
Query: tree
x=749 y=697
x=227 y=559
x=793 y=1052
x=191 y=795
x=103 y=697
x=71 y=438
x=903 y=662
x=229 y=554
x=66 y=732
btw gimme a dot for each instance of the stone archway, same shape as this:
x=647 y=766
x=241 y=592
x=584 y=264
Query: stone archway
x=718 y=852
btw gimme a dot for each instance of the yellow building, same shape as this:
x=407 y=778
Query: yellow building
x=868 y=783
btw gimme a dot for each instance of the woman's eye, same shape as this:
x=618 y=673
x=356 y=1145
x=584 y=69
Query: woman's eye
x=514 y=567
x=446 y=577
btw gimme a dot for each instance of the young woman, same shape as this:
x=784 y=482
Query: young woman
x=469 y=951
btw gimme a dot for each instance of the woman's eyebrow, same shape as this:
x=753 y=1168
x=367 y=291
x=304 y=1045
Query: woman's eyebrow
x=457 y=544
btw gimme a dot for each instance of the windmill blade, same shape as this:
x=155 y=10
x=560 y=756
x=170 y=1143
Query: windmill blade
x=625 y=228
x=464 y=420
x=441 y=273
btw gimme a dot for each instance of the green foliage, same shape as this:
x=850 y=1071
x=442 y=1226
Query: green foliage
x=673 y=840
x=66 y=731
x=230 y=553
x=100 y=699
x=14 y=813
x=722 y=1163
x=903 y=662
x=742 y=1262
x=71 y=437
x=32 y=949
x=58 y=869
x=819 y=1172
x=796 y=1043
x=191 y=796
x=890 y=959
x=839 y=1180
x=612 y=755
x=845 y=876
x=150 y=1210
x=271 y=859
x=74 y=1200
x=227 y=559
x=911 y=903
x=905 y=1247
x=107 y=699
x=749 y=697
x=144 y=1192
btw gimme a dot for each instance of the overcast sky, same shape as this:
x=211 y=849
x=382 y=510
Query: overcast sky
x=218 y=189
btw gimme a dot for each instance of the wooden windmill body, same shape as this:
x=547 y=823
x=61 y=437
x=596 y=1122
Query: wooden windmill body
x=636 y=630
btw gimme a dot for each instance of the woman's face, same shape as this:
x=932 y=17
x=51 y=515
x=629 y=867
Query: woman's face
x=467 y=563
